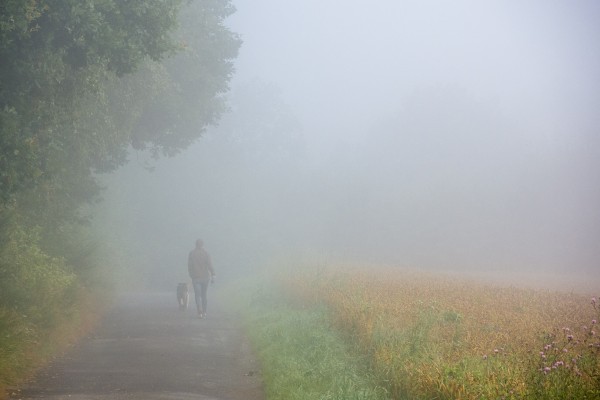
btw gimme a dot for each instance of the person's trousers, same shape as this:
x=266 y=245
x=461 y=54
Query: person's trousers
x=200 y=289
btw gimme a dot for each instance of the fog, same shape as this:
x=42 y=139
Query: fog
x=459 y=135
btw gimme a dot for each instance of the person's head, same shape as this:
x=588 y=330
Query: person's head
x=199 y=243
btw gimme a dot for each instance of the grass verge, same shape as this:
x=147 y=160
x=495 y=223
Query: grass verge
x=302 y=357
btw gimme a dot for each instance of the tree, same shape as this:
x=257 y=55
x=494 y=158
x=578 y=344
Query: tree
x=56 y=57
x=68 y=95
x=80 y=81
x=195 y=81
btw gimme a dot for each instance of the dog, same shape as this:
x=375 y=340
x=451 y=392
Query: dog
x=183 y=296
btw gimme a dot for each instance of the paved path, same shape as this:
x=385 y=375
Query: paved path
x=147 y=349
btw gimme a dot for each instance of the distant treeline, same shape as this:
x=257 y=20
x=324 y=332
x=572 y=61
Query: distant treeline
x=81 y=83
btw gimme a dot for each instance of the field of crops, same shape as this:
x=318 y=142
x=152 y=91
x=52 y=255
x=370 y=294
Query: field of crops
x=427 y=336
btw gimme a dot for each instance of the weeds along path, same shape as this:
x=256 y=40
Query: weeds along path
x=146 y=349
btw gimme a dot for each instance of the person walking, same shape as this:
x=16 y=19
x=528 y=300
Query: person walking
x=201 y=272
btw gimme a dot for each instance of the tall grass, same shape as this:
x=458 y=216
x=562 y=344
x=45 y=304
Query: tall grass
x=431 y=337
x=302 y=356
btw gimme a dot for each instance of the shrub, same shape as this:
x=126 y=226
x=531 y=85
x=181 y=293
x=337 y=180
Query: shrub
x=32 y=283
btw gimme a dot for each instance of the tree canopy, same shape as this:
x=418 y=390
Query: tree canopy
x=80 y=81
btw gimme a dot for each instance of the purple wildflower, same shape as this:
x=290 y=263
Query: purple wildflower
x=546 y=370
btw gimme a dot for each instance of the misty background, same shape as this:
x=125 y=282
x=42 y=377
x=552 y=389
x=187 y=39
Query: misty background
x=456 y=135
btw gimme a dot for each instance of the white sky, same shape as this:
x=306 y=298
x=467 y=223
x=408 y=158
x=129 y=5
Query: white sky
x=439 y=134
x=362 y=59
x=347 y=68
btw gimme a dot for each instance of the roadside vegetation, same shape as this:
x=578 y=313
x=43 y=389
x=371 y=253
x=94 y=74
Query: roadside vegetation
x=302 y=356
x=420 y=336
x=82 y=83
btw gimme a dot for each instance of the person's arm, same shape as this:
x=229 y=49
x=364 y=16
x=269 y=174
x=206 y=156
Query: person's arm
x=210 y=268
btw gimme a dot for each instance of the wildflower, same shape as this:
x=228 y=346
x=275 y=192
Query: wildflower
x=565 y=350
x=547 y=347
x=496 y=351
x=565 y=329
x=594 y=302
x=547 y=369
x=569 y=337
x=594 y=322
x=592 y=333
x=485 y=356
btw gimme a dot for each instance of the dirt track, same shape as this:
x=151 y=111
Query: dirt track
x=147 y=349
